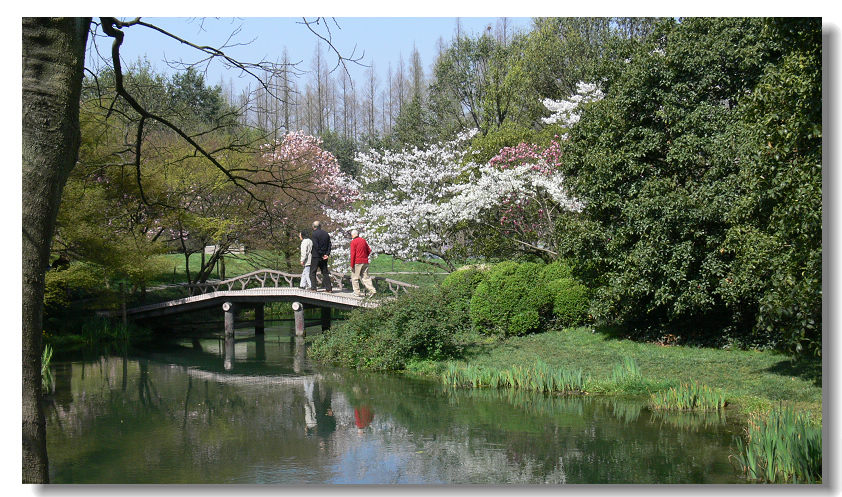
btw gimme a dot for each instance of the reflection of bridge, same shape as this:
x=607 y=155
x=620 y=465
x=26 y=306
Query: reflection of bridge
x=254 y=289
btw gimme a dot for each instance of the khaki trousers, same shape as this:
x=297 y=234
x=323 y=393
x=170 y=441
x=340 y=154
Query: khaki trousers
x=360 y=272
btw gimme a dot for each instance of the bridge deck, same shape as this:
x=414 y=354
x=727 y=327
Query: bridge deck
x=338 y=299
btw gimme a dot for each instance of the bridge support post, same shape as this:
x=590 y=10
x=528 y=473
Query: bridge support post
x=326 y=318
x=258 y=320
x=299 y=353
x=228 y=356
x=229 y=309
x=298 y=313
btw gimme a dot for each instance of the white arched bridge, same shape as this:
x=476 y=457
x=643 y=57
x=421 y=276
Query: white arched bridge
x=254 y=289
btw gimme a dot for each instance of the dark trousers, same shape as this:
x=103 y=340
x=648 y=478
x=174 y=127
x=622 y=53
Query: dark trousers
x=316 y=264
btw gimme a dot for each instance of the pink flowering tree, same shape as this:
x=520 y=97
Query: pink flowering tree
x=515 y=199
x=298 y=182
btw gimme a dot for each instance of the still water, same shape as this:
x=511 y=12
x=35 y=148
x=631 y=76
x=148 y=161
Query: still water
x=257 y=411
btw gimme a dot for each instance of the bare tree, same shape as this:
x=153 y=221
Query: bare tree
x=53 y=58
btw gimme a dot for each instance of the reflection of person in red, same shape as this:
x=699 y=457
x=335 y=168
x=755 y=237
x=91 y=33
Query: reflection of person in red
x=363 y=417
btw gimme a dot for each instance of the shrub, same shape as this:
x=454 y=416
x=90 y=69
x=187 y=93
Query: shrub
x=417 y=325
x=556 y=270
x=571 y=301
x=504 y=302
x=459 y=287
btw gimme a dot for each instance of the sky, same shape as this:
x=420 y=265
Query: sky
x=381 y=41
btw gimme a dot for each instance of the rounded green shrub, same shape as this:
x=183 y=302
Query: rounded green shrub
x=571 y=301
x=464 y=280
x=459 y=287
x=556 y=270
x=503 y=302
x=417 y=325
x=524 y=322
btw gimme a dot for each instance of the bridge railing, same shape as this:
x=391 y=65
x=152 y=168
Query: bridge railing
x=270 y=278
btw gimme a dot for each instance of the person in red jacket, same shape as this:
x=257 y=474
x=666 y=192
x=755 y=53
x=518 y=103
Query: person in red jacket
x=359 y=264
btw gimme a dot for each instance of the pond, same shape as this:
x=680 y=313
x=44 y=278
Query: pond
x=255 y=410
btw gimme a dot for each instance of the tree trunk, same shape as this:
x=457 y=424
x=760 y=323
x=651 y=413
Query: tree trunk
x=53 y=61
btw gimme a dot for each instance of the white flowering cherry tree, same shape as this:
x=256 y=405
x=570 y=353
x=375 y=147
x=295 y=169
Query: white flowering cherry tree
x=432 y=204
x=400 y=211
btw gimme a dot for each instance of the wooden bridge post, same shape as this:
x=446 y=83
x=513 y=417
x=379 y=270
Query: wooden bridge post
x=228 y=357
x=299 y=353
x=326 y=318
x=229 y=309
x=259 y=328
x=298 y=313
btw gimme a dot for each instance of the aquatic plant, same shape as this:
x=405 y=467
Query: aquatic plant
x=782 y=447
x=626 y=371
x=688 y=396
x=539 y=378
x=46 y=373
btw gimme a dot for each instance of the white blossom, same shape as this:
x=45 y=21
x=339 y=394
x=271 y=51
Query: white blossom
x=568 y=112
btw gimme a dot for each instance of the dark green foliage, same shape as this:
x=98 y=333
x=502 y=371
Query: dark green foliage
x=417 y=325
x=411 y=126
x=776 y=238
x=512 y=300
x=343 y=149
x=459 y=287
x=556 y=270
x=701 y=173
x=571 y=301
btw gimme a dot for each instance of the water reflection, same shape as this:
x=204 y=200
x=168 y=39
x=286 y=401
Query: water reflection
x=254 y=410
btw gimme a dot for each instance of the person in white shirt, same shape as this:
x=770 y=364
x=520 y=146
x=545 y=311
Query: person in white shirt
x=306 y=252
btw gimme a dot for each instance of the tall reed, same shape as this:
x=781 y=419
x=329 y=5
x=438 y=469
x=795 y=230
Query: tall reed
x=46 y=373
x=688 y=396
x=539 y=378
x=783 y=447
x=626 y=371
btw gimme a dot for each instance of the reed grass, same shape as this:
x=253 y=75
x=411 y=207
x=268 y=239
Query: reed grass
x=627 y=371
x=46 y=374
x=782 y=447
x=688 y=396
x=538 y=378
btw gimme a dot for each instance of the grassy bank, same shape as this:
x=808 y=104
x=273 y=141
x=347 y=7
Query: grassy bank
x=752 y=381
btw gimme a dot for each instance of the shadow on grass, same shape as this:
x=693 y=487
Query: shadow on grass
x=809 y=369
x=806 y=369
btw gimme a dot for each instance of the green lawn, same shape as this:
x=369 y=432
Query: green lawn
x=752 y=380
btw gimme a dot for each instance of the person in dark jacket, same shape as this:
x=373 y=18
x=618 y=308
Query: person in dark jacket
x=320 y=255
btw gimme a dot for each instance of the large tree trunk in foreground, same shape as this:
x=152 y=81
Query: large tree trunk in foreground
x=53 y=61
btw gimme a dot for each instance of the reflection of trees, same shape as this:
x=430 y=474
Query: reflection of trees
x=178 y=424
x=170 y=427
x=585 y=440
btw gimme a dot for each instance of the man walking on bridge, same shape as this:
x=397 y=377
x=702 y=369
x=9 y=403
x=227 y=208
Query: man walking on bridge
x=359 y=264
x=321 y=252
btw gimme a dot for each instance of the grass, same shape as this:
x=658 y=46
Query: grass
x=752 y=381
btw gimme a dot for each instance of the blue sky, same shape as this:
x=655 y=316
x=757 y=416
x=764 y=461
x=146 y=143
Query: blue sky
x=381 y=40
